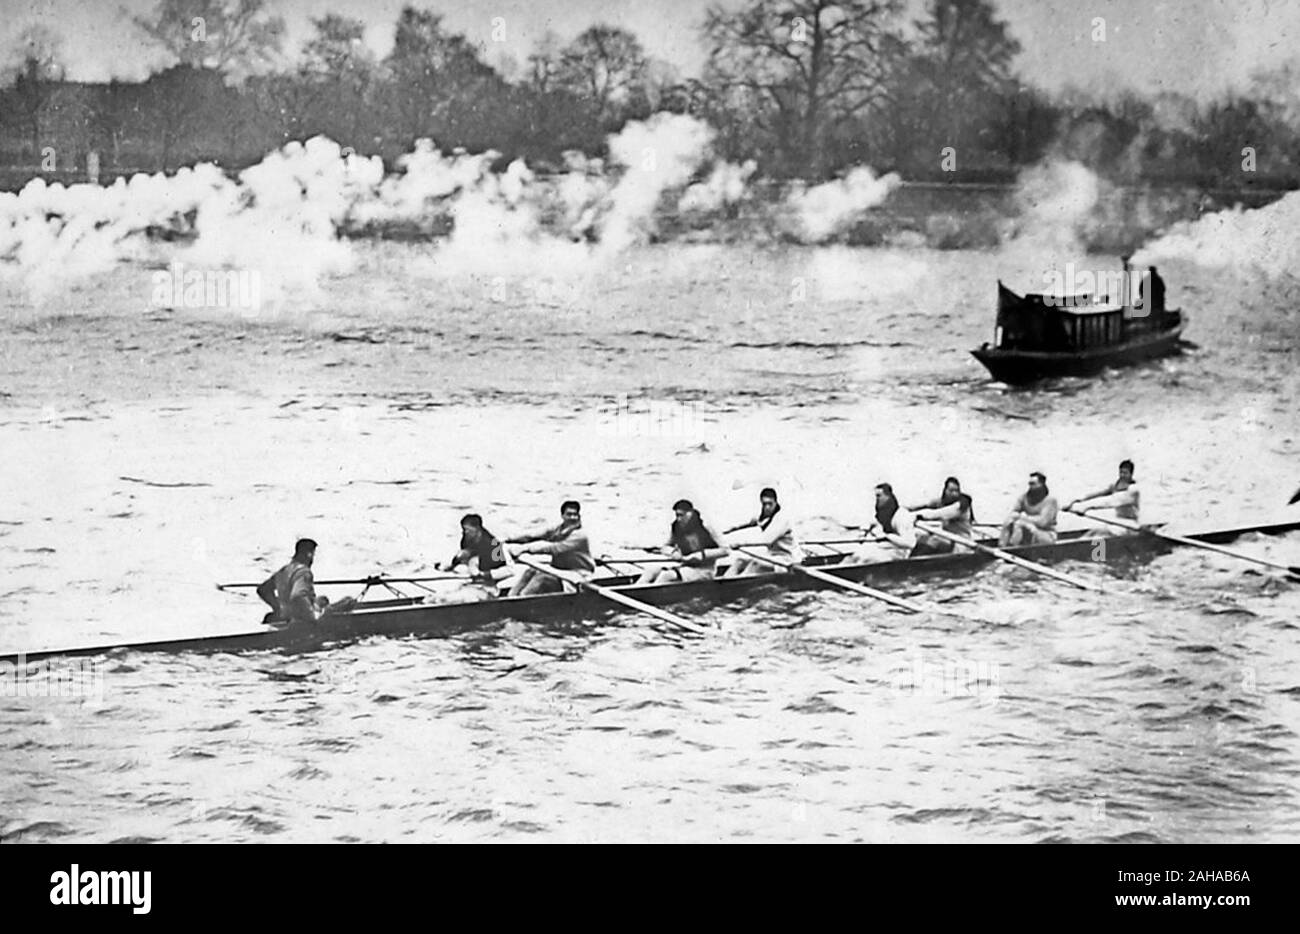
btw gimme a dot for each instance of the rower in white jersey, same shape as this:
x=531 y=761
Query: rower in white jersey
x=1033 y=518
x=893 y=531
x=1122 y=496
x=777 y=534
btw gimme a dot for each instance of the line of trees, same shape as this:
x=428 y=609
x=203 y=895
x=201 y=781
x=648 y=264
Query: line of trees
x=804 y=87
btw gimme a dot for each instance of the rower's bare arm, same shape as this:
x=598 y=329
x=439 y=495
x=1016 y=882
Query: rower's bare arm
x=535 y=536
x=564 y=546
x=460 y=557
x=696 y=558
x=941 y=513
x=1114 y=500
x=1100 y=494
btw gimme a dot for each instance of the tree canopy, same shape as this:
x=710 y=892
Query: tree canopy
x=805 y=88
x=235 y=37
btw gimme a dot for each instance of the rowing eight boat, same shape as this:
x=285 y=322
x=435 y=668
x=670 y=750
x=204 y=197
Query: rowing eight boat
x=411 y=616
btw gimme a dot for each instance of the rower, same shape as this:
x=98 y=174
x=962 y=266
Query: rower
x=291 y=591
x=954 y=509
x=696 y=545
x=777 y=534
x=895 y=527
x=480 y=553
x=1121 y=496
x=1033 y=519
x=566 y=543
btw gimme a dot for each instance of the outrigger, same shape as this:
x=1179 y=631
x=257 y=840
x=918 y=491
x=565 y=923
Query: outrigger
x=403 y=615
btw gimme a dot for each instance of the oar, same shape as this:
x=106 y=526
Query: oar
x=854 y=586
x=860 y=540
x=371 y=581
x=638 y=559
x=1001 y=555
x=840 y=541
x=804 y=541
x=1291 y=569
x=610 y=594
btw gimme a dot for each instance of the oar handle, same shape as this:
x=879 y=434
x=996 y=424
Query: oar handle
x=651 y=559
x=1109 y=520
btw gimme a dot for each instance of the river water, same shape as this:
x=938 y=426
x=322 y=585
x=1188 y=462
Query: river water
x=152 y=452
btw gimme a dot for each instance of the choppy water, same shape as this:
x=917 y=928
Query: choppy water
x=149 y=454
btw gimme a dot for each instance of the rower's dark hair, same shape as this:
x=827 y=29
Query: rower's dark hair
x=302 y=546
x=1042 y=477
x=889 y=490
x=570 y=504
x=474 y=519
x=683 y=504
x=952 y=480
x=767 y=493
x=1127 y=463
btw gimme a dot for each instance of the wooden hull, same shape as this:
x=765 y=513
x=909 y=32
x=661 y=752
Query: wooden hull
x=1017 y=367
x=409 y=617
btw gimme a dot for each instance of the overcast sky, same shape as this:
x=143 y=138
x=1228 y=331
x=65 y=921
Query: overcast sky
x=1193 y=46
